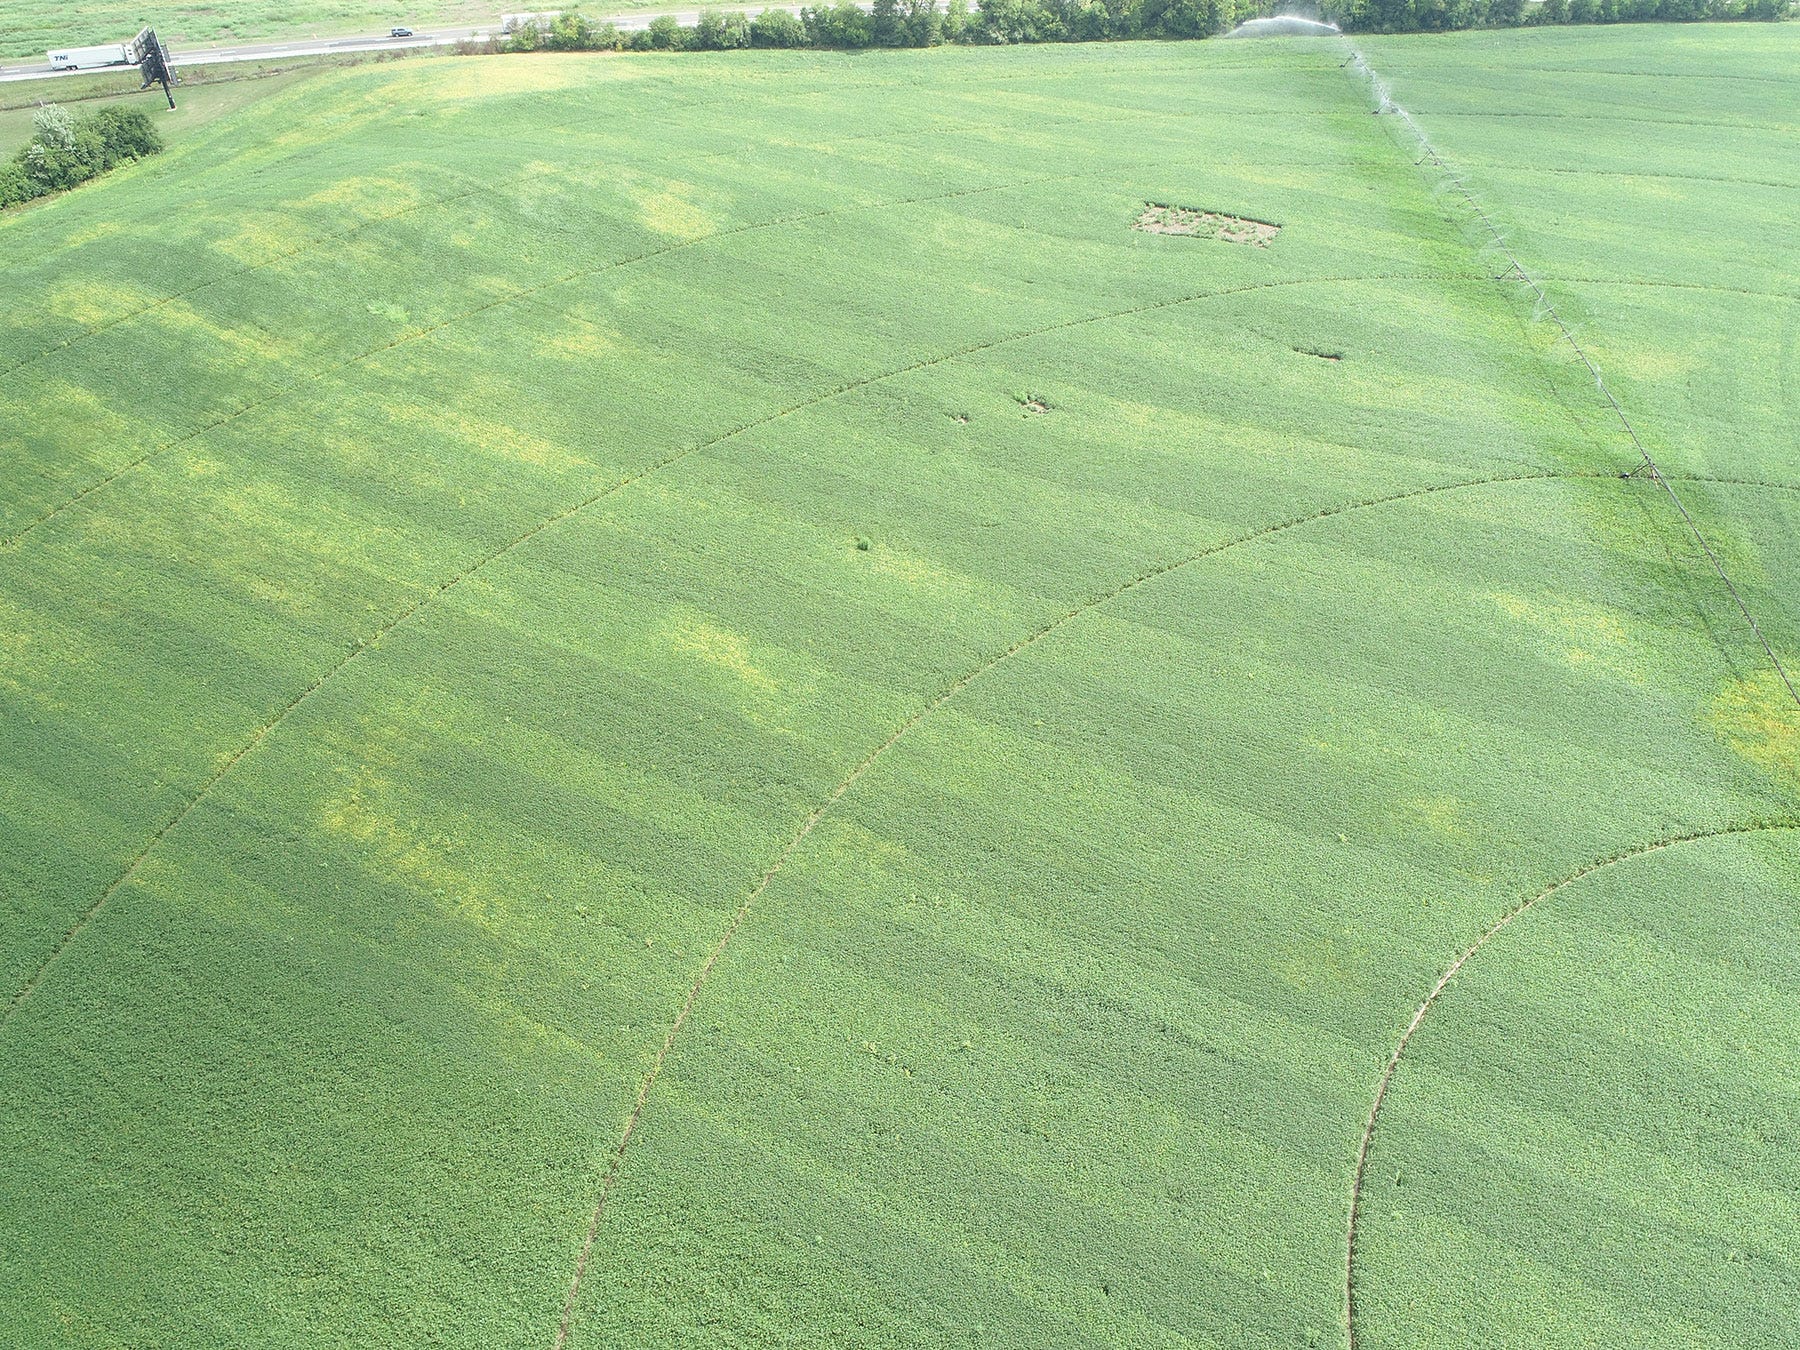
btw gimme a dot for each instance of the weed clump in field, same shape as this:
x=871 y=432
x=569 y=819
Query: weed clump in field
x=1160 y=218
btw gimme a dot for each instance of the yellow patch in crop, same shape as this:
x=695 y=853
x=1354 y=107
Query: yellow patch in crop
x=670 y=212
x=1757 y=718
x=1583 y=634
x=485 y=434
x=100 y=229
x=412 y=856
x=90 y=423
x=582 y=343
x=400 y=844
x=1663 y=189
x=261 y=238
x=728 y=651
x=1441 y=815
x=497 y=77
x=36 y=656
x=89 y=303
x=1313 y=960
x=1651 y=363
x=917 y=570
x=369 y=197
x=1139 y=416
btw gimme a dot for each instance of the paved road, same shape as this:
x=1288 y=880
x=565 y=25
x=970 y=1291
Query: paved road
x=262 y=51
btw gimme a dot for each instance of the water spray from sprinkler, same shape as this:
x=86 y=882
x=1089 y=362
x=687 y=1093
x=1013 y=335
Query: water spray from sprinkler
x=1284 y=25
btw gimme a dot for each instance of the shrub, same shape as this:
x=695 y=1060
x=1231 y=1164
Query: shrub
x=921 y=25
x=664 y=35
x=777 y=28
x=884 y=24
x=719 y=32
x=53 y=127
x=840 y=25
x=128 y=133
x=15 y=184
x=1008 y=21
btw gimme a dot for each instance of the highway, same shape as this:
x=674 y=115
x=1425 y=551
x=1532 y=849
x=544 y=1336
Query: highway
x=264 y=51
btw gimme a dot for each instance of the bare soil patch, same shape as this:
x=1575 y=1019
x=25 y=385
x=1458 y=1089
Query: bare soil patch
x=1161 y=218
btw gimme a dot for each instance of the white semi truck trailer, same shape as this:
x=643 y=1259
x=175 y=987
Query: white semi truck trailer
x=87 y=58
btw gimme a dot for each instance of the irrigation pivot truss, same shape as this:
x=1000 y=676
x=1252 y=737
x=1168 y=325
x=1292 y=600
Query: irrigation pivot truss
x=1514 y=271
x=1384 y=103
x=154 y=63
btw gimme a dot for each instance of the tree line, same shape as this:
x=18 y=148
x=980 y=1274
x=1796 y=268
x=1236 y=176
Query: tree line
x=895 y=23
x=1436 y=16
x=924 y=23
x=65 y=150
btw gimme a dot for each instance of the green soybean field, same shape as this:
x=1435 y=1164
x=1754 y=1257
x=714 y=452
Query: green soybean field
x=1096 y=695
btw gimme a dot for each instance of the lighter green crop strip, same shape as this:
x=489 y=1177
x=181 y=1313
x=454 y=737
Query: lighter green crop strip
x=236 y=272
x=1590 y=73
x=317 y=241
x=579 y=274
x=610 y=1180
x=1384 y=103
x=1383 y=1084
x=1630 y=174
x=494 y=554
x=1655 y=284
x=1762 y=127
x=503 y=550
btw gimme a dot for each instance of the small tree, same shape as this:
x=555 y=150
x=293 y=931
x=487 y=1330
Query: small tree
x=125 y=133
x=664 y=34
x=884 y=23
x=777 y=28
x=839 y=25
x=15 y=184
x=568 y=32
x=956 y=21
x=709 y=33
x=53 y=127
x=920 y=23
x=1007 y=21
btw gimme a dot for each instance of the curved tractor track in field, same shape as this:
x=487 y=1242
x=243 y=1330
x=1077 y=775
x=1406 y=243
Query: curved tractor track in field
x=609 y=1180
x=512 y=297
x=500 y=551
x=584 y=273
x=1385 y=1082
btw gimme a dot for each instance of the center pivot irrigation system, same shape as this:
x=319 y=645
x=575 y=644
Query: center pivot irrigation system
x=1515 y=271
x=154 y=63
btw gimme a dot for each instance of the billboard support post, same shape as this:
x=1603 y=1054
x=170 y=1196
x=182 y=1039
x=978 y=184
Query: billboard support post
x=154 y=64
